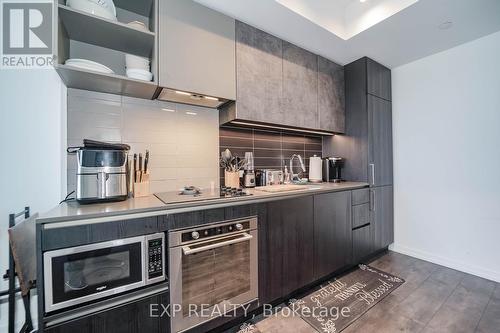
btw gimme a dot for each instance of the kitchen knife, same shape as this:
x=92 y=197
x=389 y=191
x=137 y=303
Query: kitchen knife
x=146 y=161
x=135 y=168
x=140 y=167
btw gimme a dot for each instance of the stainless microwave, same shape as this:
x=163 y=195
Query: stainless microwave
x=90 y=272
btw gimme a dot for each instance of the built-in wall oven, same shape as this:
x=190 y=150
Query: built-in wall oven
x=213 y=269
x=90 y=272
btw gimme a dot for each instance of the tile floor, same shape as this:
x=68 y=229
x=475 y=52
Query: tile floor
x=433 y=299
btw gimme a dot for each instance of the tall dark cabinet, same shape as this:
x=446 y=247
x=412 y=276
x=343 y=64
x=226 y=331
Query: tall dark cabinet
x=367 y=145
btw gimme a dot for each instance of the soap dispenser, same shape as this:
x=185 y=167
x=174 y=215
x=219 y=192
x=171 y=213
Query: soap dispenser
x=288 y=176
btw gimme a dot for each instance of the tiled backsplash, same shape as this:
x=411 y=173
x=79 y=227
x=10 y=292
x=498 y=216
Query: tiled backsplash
x=182 y=139
x=271 y=149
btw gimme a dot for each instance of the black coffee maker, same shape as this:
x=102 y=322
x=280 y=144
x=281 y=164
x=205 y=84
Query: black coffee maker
x=332 y=167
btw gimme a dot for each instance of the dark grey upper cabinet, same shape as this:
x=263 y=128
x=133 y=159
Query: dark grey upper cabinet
x=332 y=232
x=379 y=79
x=259 y=73
x=354 y=145
x=196 y=49
x=279 y=83
x=382 y=216
x=331 y=96
x=380 y=153
x=300 y=87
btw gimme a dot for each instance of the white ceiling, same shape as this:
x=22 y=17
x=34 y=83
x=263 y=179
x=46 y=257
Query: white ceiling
x=346 y=18
x=408 y=35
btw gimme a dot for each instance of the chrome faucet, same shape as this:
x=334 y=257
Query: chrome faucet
x=295 y=177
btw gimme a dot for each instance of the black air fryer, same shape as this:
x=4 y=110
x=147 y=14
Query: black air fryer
x=332 y=167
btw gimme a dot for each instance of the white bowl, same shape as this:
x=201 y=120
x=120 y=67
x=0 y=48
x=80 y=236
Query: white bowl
x=139 y=74
x=138 y=25
x=136 y=62
x=105 y=10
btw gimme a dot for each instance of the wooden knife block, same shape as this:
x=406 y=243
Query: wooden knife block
x=142 y=189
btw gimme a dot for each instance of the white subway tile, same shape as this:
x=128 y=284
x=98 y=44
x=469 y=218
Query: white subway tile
x=182 y=140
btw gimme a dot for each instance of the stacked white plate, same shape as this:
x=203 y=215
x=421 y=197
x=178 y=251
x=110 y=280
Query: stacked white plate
x=137 y=67
x=88 y=65
x=102 y=8
x=138 y=25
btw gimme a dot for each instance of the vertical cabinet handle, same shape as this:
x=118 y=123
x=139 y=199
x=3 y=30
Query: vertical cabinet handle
x=372 y=173
x=372 y=200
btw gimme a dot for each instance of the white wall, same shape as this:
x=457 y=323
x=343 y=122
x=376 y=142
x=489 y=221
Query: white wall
x=446 y=123
x=32 y=163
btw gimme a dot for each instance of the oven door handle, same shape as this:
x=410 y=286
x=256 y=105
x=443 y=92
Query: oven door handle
x=188 y=250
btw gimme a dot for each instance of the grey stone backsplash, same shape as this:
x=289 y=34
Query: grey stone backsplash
x=182 y=139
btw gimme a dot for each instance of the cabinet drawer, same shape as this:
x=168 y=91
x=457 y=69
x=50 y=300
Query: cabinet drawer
x=360 y=196
x=360 y=215
x=361 y=243
x=134 y=317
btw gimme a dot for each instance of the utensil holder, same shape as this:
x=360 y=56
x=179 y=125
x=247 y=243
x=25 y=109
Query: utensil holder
x=141 y=189
x=232 y=179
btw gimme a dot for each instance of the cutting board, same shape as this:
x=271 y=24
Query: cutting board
x=280 y=188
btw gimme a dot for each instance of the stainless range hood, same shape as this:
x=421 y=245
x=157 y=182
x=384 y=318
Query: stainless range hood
x=185 y=97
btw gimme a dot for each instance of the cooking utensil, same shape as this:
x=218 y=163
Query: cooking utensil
x=231 y=163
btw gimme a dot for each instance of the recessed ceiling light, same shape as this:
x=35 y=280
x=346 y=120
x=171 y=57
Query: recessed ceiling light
x=191 y=113
x=445 y=25
x=362 y=1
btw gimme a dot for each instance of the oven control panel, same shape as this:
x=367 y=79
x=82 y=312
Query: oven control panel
x=155 y=258
x=214 y=231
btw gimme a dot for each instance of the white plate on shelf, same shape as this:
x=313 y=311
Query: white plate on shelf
x=88 y=65
x=138 y=25
x=102 y=8
x=139 y=74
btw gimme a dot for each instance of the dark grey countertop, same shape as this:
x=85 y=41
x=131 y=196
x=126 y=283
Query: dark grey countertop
x=151 y=205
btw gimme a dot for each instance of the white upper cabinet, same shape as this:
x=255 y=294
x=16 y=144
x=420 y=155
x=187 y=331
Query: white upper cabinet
x=196 y=49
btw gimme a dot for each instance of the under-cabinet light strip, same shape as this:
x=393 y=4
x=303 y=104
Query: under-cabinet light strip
x=281 y=128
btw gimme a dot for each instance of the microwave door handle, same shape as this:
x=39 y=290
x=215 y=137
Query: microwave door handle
x=187 y=250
